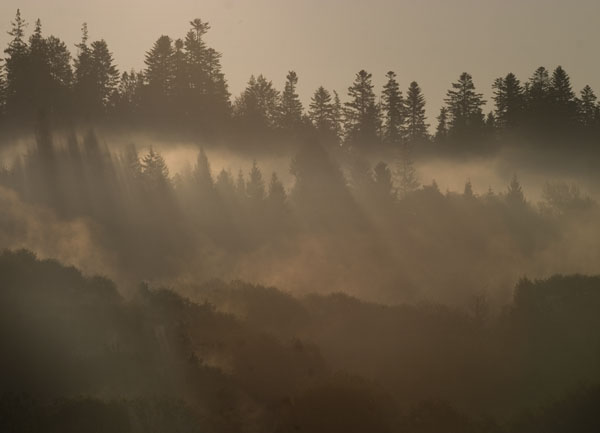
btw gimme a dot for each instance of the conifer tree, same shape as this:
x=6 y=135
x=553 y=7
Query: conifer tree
x=105 y=72
x=159 y=72
x=129 y=91
x=362 y=114
x=202 y=174
x=383 y=184
x=84 y=79
x=16 y=65
x=509 y=99
x=207 y=93
x=321 y=112
x=181 y=79
x=240 y=186
x=514 y=194
x=255 y=188
x=537 y=99
x=154 y=170
x=589 y=112
x=468 y=191
x=291 y=107
x=277 y=196
x=258 y=106
x=338 y=117
x=225 y=187
x=441 y=133
x=393 y=110
x=563 y=102
x=464 y=106
x=416 y=126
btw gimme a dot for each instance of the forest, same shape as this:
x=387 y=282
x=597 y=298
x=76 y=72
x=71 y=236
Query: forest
x=175 y=259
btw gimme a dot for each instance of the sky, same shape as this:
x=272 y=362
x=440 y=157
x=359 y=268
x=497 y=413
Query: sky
x=327 y=41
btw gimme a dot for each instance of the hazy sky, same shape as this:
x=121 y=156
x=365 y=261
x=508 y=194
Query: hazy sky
x=327 y=41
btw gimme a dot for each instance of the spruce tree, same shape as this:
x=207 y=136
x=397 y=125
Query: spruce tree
x=202 y=175
x=338 y=117
x=464 y=106
x=291 y=107
x=16 y=65
x=509 y=99
x=277 y=196
x=589 y=113
x=257 y=108
x=362 y=115
x=537 y=100
x=383 y=186
x=416 y=126
x=159 y=72
x=154 y=170
x=563 y=102
x=321 y=112
x=255 y=188
x=441 y=133
x=393 y=111
x=84 y=75
x=105 y=73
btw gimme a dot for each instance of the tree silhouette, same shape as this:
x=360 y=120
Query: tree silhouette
x=258 y=106
x=464 y=106
x=154 y=170
x=416 y=126
x=589 y=112
x=393 y=111
x=17 y=68
x=441 y=133
x=321 y=112
x=291 y=107
x=159 y=73
x=509 y=99
x=255 y=188
x=361 y=112
x=562 y=98
x=514 y=195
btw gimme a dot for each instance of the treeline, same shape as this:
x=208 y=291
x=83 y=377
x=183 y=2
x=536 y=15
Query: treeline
x=182 y=87
x=78 y=356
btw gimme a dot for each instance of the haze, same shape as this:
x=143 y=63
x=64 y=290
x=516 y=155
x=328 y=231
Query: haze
x=305 y=217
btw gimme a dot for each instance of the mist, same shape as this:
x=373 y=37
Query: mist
x=179 y=252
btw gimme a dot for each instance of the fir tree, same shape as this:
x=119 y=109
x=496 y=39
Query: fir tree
x=321 y=112
x=291 y=107
x=441 y=132
x=509 y=99
x=464 y=106
x=255 y=188
x=257 y=107
x=362 y=116
x=159 y=72
x=416 y=126
x=562 y=98
x=383 y=184
x=393 y=110
x=589 y=113
x=277 y=196
x=16 y=65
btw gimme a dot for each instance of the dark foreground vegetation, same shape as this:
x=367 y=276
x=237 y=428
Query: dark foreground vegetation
x=78 y=356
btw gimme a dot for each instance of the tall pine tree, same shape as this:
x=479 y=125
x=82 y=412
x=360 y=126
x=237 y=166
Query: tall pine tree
x=416 y=126
x=291 y=107
x=362 y=114
x=393 y=111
